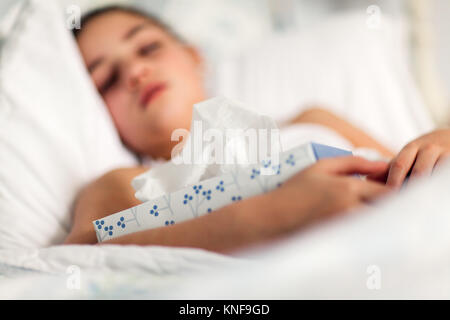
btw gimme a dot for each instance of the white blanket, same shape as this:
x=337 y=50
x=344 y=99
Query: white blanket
x=104 y=271
x=399 y=249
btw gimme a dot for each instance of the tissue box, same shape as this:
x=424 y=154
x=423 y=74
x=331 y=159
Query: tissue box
x=211 y=194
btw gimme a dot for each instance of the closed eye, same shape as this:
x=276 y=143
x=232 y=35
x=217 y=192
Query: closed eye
x=150 y=48
x=111 y=80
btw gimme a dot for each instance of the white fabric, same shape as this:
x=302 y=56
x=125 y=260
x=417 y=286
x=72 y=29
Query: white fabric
x=51 y=270
x=219 y=28
x=406 y=237
x=55 y=133
x=301 y=133
x=361 y=74
x=399 y=249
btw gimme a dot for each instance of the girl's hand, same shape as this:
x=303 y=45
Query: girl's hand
x=419 y=157
x=327 y=188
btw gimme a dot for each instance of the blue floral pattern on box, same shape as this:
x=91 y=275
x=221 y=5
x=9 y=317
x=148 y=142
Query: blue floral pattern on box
x=236 y=184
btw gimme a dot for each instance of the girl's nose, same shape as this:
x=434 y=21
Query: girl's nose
x=138 y=76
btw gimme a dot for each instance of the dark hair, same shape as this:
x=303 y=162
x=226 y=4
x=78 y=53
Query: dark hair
x=106 y=9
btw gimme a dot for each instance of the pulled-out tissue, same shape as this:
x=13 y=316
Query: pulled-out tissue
x=223 y=134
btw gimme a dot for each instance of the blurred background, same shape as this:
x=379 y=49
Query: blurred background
x=224 y=28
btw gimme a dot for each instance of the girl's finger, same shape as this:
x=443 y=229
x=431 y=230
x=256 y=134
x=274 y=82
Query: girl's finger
x=400 y=166
x=425 y=161
x=370 y=191
x=380 y=177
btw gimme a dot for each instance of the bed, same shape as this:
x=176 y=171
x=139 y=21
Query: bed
x=398 y=249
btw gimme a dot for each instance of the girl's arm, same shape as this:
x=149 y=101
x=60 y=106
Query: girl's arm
x=319 y=191
x=106 y=195
x=356 y=136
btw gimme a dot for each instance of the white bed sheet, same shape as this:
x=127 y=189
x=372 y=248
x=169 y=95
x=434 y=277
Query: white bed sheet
x=406 y=237
x=398 y=250
x=105 y=271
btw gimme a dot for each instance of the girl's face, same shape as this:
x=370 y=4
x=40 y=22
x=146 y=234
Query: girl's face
x=148 y=79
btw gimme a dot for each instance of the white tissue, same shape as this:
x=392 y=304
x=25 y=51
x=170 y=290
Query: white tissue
x=219 y=114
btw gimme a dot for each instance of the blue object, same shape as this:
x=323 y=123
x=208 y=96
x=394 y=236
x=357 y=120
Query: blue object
x=322 y=151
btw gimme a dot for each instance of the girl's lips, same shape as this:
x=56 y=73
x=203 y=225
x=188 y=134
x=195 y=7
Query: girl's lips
x=150 y=92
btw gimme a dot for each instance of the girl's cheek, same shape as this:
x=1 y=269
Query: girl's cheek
x=116 y=99
x=116 y=106
x=174 y=58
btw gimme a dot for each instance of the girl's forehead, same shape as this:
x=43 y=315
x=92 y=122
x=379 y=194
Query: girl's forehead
x=104 y=33
x=113 y=24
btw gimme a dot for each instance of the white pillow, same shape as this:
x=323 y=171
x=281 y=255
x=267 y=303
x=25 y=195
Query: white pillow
x=220 y=28
x=341 y=64
x=55 y=133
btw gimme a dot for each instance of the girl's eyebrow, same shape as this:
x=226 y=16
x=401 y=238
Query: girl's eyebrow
x=131 y=33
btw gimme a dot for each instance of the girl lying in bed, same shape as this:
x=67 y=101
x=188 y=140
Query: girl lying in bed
x=149 y=79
